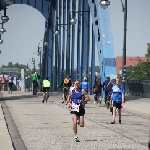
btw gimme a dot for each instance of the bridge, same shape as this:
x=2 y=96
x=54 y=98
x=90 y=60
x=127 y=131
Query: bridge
x=26 y=123
x=76 y=31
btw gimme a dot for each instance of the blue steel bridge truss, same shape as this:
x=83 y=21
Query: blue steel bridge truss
x=74 y=49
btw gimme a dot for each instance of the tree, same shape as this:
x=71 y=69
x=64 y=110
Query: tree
x=141 y=71
x=148 y=52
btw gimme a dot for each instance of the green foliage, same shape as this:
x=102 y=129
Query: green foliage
x=140 y=72
x=148 y=51
x=17 y=65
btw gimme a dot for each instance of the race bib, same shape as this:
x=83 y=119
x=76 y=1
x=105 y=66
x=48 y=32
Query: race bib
x=75 y=108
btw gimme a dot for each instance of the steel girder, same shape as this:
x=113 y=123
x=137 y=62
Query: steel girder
x=70 y=52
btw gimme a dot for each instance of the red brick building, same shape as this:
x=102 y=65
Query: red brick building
x=130 y=61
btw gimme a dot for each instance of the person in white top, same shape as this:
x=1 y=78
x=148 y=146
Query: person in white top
x=72 y=87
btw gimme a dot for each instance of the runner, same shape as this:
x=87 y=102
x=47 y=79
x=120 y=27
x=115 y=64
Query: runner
x=75 y=102
x=84 y=85
x=106 y=87
x=67 y=84
x=97 y=88
x=10 y=79
x=17 y=82
x=35 y=79
x=46 y=87
x=3 y=81
x=117 y=99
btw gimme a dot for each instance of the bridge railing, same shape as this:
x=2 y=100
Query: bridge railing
x=138 y=87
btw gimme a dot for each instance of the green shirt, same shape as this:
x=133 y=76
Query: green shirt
x=35 y=77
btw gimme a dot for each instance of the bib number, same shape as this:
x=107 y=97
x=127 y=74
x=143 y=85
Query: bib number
x=75 y=108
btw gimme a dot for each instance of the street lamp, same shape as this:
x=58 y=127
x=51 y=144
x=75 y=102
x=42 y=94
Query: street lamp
x=39 y=52
x=2 y=30
x=73 y=21
x=33 y=62
x=1 y=41
x=104 y=4
x=4 y=18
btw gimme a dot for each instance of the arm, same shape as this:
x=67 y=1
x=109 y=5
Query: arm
x=61 y=84
x=87 y=98
x=69 y=100
x=122 y=98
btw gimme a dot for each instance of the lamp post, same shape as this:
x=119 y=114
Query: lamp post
x=124 y=45
x=105 y=4
x=39 y=52
x=4 y=18
x=1 y=41
x=33 y=62
x=2 y=30
x=57 y=48
x=85 y=39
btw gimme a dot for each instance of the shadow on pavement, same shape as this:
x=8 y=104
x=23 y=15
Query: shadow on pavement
x=133 y=98
x=16 y=97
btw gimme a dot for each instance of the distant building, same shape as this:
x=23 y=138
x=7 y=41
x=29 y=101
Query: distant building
x=130 y=61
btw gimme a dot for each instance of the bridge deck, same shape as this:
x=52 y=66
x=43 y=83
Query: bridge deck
x=49 y=126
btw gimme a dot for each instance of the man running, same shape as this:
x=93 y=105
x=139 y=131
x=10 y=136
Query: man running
x=46 y=87
x=117 y=99
x=10 y=79
x=77 y=110
x=97 y=90
x=106 y=87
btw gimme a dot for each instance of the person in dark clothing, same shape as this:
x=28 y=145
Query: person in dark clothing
x=106 y=87
x=97 y=89
x=67 y=84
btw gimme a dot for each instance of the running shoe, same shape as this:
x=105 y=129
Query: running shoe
x=76 y=139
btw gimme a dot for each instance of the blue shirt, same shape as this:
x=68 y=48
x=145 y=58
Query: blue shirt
x=84 y=85
x=76 y=96
x=17 y=80
x=10 y=78
x=117 y=93
x=105 y=83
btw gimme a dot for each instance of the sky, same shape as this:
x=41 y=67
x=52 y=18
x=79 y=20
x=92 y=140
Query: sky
x=26 y=25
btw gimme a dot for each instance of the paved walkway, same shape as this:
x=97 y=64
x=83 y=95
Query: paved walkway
x=49 y=126
x=135 y=105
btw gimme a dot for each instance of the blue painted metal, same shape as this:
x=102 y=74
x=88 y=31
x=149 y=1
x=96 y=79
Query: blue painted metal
x=101 y=45
x=68 y=39
x=24 y=1
x=59 y=46
x=63 y=39
x=2 y=4
x=79 y=42
x=92 y=75
x=85 y=37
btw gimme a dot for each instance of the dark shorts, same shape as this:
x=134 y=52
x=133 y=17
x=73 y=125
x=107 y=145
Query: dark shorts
x=46 y=89
x=10 y=84
x=117 y=105
x=80 y=113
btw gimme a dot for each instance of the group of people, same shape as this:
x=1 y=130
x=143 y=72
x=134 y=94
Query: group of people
x=115 y=91
x=78 y=96
x=9 y=80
